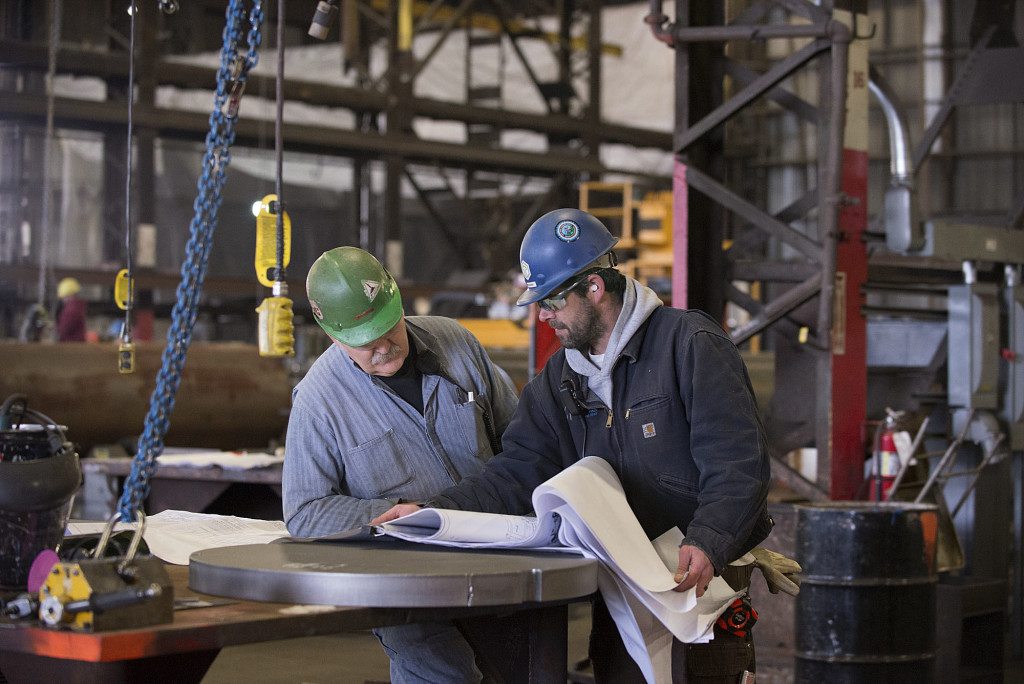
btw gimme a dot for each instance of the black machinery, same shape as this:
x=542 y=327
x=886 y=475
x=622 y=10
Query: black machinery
x=39 y=474
x=78 y=588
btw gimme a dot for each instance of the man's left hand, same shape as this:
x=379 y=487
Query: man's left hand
x=395 y=512
x=695 y=570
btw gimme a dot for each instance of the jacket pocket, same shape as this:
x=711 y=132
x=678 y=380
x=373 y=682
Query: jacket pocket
x=648 y=403
x=377 y=467
x=469 y=417
x=679 y=484
x=658 y=439
x=648 y=423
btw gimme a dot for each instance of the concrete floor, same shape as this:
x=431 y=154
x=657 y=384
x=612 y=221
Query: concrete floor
x=353 y=658
x=357 y=658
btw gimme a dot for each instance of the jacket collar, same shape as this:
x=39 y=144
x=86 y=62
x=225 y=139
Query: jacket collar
x=632 y=348
x=428 y=358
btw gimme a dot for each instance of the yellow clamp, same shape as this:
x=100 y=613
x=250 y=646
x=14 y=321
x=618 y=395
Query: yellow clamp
x=123 y=289
x=266 y=240
x=276 y=329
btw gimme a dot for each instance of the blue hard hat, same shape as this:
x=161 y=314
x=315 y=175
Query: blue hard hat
x=558 y=245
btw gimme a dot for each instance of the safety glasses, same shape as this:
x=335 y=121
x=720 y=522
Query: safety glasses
x=557 y=301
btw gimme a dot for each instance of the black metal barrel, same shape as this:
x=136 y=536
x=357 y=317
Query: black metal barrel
x=866 y=609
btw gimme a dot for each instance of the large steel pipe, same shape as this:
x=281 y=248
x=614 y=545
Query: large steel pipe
x=230 y=397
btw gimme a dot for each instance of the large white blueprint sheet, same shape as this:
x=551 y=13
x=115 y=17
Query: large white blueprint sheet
x=584 y=508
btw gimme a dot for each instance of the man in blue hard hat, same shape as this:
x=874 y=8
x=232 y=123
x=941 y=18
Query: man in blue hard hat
x=661 y=394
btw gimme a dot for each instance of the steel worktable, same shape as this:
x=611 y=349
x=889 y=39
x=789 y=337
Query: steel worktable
x=404 y=582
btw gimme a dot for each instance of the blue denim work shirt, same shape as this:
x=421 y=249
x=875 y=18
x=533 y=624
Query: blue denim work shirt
x=354 y=447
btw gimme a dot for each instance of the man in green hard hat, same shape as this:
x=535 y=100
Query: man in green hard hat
x=396 y=410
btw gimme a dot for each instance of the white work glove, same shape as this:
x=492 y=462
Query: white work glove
x=780 y=572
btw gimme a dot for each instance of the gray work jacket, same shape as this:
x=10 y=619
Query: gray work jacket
x=354 y=448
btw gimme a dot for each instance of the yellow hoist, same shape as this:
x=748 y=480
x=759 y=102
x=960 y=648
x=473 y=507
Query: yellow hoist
x=276 y=327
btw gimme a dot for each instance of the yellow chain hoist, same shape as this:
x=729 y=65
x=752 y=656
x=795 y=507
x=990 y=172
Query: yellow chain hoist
x=276 y=334
x=124 y=296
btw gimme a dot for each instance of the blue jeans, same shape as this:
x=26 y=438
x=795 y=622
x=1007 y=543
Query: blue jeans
x=428 y=653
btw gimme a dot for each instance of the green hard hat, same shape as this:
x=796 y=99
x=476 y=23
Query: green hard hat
x=354 y=299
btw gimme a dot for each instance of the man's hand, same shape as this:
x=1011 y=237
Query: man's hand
x=395 y=512
x=695 y=569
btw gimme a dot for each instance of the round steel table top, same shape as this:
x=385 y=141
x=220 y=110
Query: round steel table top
x=390 y=574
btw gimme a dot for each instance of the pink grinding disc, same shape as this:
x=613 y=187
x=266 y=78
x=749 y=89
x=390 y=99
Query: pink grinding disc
x=40 y=568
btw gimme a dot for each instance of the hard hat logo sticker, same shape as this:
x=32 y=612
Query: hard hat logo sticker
x=316 y=310
x=370 y=289
x=567 y=231
x=526 y=269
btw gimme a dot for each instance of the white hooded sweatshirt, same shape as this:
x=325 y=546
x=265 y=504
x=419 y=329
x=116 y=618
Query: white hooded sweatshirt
x=638 y=302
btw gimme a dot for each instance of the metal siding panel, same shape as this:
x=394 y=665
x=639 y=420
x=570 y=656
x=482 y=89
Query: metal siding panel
x=973 y=346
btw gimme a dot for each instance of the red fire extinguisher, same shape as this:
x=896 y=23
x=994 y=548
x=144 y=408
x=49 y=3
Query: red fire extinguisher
x=886 y=459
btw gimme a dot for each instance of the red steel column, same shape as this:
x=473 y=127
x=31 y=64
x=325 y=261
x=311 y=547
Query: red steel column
x=680 y=235
x=849 y=331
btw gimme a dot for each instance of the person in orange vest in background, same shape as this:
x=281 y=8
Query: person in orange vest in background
x=70 y=312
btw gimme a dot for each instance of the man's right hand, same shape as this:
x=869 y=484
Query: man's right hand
x=395 y=512
x=694 y=571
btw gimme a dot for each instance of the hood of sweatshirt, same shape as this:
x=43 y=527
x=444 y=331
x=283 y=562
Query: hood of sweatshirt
x=638 y=302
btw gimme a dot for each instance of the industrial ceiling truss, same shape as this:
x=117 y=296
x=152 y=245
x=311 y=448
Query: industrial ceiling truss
x=382 y=100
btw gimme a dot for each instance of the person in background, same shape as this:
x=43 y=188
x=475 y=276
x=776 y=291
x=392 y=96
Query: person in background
x=397 y=409
x=662 y=395
x=70 y=312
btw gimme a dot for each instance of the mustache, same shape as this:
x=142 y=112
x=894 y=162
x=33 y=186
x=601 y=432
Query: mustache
x=379 y=358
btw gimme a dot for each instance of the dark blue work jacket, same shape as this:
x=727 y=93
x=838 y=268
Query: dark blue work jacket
x=683 y=434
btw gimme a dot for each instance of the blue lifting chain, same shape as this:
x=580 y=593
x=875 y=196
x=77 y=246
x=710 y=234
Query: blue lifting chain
x=231 y=77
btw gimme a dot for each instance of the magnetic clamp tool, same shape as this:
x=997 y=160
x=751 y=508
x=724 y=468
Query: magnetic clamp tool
x=102 y=593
